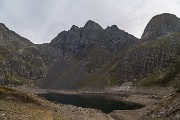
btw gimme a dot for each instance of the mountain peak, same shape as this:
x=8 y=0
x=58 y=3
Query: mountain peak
x=4 y=26
x=92 y=24
x=165 y=18
x=74 y=28
x=113 y=27
x=161 y=25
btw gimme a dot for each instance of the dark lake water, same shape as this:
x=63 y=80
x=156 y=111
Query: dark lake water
x=103 y=102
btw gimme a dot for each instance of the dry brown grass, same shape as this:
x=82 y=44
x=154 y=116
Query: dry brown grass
x=15 y=105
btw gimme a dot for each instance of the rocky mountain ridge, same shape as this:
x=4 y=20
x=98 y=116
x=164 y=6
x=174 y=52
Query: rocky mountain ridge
x=94 y=57
x=18 y=59
x=85 y=50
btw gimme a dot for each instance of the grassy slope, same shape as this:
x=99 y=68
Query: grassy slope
x=172 y=75
x=15 y=105
x=107 y=76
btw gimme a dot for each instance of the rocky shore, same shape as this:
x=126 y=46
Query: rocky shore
x=147 y=96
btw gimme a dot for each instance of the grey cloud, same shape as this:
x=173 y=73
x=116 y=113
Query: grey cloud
x=41 y=20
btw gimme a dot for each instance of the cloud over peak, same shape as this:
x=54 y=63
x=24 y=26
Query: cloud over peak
x=41 y=20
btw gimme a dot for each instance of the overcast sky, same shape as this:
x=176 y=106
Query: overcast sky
x=41 y=20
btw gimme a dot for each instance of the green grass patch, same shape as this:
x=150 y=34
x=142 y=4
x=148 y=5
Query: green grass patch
x=164 y=41
x=17 y=80
x=149 y=81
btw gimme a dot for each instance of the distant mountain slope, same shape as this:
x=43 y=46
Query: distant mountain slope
x=19 y=59
x=85 y=51
x=93 y=57
x=114 y=56
x=155 y=58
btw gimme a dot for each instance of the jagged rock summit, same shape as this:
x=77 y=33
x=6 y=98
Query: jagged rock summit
x=90 y=48
x=79 y=40
x=93 y=25
x=91 y=56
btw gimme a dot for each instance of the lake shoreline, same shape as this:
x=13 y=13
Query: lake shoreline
x=159 y=91
x=147 y=97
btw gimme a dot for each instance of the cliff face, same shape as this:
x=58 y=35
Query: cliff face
x=19 y=60
x=91 y=56
x=84 y=51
